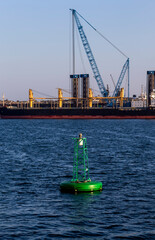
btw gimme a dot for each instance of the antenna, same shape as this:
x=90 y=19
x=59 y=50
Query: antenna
x=3 y=100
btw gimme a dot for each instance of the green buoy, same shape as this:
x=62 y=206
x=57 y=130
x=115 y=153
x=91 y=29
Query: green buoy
x=81 y=181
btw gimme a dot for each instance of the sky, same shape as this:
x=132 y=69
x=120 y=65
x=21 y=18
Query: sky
x=36 y=52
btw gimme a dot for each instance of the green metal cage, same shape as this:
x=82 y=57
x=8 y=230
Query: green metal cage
x=80 y=164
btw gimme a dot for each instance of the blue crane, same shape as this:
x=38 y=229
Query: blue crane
x=120 y=79
x=92 y=61
x=90 y=56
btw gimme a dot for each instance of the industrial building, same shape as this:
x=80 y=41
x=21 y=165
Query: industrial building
x=138 y=103
x=153 y=98
x=150 y=86
x=80 y=88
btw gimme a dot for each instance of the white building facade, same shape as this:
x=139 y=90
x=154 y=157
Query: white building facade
x=138 y=103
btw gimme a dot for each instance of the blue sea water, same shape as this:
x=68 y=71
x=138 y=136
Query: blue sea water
x=37 y=155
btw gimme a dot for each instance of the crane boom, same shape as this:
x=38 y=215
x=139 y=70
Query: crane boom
x=90 y=55
x=121 y=77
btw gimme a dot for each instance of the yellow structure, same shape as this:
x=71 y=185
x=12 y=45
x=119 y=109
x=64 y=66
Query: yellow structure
x=89 y=100
x=60 y=97
x=30 y=98
x=90 y=97
x=121 y=97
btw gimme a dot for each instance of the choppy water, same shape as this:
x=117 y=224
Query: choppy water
x=36 y=156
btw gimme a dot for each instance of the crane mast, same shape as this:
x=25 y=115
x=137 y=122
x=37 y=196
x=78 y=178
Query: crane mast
x=121 y=77
x=90 y=55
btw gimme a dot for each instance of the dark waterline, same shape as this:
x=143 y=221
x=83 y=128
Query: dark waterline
x=37 y=155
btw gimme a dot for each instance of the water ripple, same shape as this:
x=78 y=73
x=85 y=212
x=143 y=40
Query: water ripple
x=37 y=155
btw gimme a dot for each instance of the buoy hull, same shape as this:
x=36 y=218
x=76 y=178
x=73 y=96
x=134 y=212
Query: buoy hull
x=81 y=186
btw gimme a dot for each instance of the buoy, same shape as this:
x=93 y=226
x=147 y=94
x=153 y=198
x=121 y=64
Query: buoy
x=81 y=181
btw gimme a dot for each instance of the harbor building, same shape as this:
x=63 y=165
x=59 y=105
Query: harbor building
x=75 y=88
x=138 y=103
x=85 y=85
x=150 y=85
x=85 y=88
x=80 y=87
x=153 y=98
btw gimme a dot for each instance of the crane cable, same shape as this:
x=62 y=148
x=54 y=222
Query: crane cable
x=103 y=36
x=43 y=94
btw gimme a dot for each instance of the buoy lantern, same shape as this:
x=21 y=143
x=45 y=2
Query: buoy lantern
x=81 y=181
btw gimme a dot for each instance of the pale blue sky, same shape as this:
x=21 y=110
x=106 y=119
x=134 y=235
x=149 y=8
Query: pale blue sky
x=36 y=37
